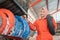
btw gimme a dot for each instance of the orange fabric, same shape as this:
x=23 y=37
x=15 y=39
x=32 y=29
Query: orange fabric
x=10 y=17
x=42 y=29
x=4 y=21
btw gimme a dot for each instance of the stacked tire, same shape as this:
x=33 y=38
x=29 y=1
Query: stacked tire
x=13 y=25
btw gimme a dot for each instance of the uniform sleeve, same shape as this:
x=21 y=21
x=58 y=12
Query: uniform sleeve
x=32 y=26
x=55 y=24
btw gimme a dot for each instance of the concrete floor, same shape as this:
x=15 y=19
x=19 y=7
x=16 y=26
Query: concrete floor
x=56 y=37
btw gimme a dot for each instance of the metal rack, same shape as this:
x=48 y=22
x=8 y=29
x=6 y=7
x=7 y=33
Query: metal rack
x=14 y=6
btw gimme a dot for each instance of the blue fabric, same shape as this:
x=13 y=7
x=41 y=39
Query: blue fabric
x=18 y=27
x=21 y=28
x=26 y=32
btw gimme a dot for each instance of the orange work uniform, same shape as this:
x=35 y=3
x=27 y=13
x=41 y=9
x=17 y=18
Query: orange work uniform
x=42 y=29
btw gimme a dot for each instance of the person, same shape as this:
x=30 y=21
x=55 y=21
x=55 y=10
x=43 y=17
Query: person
x=40 y=25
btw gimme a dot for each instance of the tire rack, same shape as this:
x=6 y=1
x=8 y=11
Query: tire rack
x=13 y=6
x=17 y=9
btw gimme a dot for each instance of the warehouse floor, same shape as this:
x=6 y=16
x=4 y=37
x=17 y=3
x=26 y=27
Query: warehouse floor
x=56 y=37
